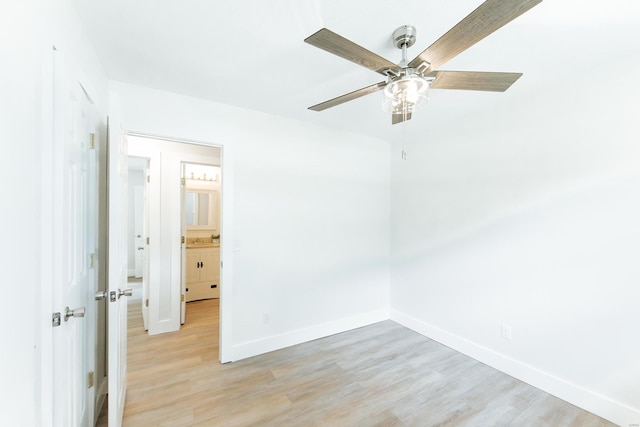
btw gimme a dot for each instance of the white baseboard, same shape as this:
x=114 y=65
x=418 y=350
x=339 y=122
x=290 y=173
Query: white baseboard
x=299 y=336
x=602 y=406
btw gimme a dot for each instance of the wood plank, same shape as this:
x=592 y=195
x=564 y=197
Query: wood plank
x=348 y=97
x=473 y=80
x=487 y=18
x=331 y=42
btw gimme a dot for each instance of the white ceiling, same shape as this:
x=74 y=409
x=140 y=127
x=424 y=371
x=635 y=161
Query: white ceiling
x=250 y=53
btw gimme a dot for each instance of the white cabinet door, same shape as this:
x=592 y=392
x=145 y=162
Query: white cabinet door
x=193 y=266
x=208 y=266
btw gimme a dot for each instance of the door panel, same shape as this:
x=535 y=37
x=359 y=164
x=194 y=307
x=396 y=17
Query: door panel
x=192 y=266
x=186 y=270
x=101 y=218
x=210 y=269
x=145 y=259
x=117 y=305
x=139 y=230
x=74 y=278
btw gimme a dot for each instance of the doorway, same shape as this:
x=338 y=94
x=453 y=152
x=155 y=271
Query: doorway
x=169 y=163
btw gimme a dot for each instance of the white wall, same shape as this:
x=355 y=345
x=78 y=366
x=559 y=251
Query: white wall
x=308 y=241
x=528 y=214
x=20 y=83
x=28 y=30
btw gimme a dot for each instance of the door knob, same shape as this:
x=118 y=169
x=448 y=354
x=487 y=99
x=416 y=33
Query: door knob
x=78 y=312
x=101 y=295
x=126 y=292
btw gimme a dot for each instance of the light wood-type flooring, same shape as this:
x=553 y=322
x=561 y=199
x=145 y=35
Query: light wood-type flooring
x=379 y=375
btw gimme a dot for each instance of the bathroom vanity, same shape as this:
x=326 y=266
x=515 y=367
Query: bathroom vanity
x=202 y=271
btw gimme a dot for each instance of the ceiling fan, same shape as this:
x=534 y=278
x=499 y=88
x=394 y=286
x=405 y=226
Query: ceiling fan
x=406 y=83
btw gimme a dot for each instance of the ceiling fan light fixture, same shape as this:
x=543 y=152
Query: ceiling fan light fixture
x=405 y=93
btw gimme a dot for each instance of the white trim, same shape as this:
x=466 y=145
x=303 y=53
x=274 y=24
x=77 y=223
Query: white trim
x=298 y=336
x=600 y=405
x=227 y=243
x=172 y=139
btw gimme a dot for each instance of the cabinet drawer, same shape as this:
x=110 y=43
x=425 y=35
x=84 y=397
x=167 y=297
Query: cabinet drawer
x=202 y=290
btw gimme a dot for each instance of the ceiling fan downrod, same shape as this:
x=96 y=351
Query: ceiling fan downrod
x=403 y=38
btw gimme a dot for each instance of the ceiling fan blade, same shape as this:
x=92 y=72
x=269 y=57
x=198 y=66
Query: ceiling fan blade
x=487 y=18
x=348 y=97
x=473 y=80
x=400 y=117
x=334 y=43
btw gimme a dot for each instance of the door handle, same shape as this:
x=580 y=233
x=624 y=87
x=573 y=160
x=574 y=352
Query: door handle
x=125 y=293
x=101 y=295
x=68 y=313
x=140 y=248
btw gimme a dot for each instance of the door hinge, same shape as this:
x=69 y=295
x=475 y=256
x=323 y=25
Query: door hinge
x=92 y=141
x=146 y=302
x=148 y=178
x=55 y=319
x=147 y=240
x=221 y=264
x=182 y=240
x=183 y=181
x=91 y=260
x=182 y=298
x=90 y=379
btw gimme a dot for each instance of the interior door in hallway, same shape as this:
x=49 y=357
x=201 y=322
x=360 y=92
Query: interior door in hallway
x=118 y=293
x=74 y=242
x=138 y=223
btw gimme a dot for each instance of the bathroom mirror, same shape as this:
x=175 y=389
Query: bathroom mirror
x=200 y=209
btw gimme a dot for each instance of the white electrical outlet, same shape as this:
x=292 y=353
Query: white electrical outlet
x=506 y=332
x=265 y=318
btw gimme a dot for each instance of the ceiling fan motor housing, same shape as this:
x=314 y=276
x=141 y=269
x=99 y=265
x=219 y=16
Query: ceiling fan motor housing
x=404 y=36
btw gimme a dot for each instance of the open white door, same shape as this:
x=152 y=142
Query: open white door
x=117 y=281
x=74 y=237
x=138 y=224
x=183 y=247
x=145 y=260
